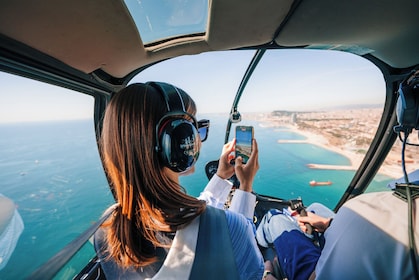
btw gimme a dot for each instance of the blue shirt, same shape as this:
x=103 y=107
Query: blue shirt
x=249 y=260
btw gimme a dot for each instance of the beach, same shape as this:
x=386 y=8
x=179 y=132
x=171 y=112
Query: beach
x=388 y=169
x=346 y=132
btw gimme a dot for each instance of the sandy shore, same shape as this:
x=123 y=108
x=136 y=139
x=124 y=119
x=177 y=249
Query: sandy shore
x=354 y=158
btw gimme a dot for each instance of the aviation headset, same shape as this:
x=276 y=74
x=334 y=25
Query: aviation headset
x=177 y=142
x=408 y=104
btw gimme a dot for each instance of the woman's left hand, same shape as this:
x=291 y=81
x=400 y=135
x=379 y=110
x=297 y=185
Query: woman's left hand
x=225 y=169
x=247 y=172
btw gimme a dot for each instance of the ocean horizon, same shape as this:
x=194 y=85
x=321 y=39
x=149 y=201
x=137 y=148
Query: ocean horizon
x=52 y=171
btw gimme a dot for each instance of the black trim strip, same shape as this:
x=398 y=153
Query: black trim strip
x=255 y=61
x=54 y=264
x=19 y=59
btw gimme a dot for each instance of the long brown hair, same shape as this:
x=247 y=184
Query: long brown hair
x=149 y=202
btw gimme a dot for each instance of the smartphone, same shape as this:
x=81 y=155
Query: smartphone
x=244 y=137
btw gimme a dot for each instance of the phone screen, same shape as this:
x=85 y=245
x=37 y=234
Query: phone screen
x=244 y=136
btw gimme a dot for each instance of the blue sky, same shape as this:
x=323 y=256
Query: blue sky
x=292 y=80
x=287 y=79
x=23 y=99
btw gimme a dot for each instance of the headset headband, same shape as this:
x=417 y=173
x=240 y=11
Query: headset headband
x=171 y=96
x=176 y=132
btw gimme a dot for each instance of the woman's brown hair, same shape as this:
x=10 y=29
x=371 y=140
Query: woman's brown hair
x=149 y=202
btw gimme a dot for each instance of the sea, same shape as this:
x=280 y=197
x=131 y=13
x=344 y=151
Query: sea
x=52 y=171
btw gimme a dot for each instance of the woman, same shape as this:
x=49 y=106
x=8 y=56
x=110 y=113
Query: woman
x=150 y=137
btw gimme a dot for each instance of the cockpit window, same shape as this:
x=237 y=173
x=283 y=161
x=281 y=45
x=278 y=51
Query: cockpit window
x=51 y=174
x=158 y=20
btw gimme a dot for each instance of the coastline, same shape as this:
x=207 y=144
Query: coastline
x=354 y=158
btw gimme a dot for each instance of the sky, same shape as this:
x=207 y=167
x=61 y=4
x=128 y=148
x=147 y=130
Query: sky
x=285 y=80
x=24 y=100
x=288 y=79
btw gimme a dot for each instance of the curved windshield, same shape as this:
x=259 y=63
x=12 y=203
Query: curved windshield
x=314 y=115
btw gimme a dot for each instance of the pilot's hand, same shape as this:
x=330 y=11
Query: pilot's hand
x=225 y=169
x=319 y=223
x=247 y=172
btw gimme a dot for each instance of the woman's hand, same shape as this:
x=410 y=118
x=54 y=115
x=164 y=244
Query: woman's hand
x=225 y=169
x=319 y=223
x=247 y=172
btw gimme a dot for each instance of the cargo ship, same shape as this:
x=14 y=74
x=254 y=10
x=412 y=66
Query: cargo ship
x=314 y=183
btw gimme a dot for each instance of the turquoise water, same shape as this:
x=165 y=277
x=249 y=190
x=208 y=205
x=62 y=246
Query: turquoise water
x=53 y=173
x=283 y=166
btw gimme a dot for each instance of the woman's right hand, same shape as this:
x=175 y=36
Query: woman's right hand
x=225 y=169
x=247 y=172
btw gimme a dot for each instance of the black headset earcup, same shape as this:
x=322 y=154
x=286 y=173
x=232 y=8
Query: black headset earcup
x=407 y=108
x=179 y=144
x=177 y=138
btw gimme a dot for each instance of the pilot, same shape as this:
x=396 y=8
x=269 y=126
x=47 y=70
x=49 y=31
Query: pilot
x=151 y=137
x=372 y=236
x=367 y=239
x=297 y=249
